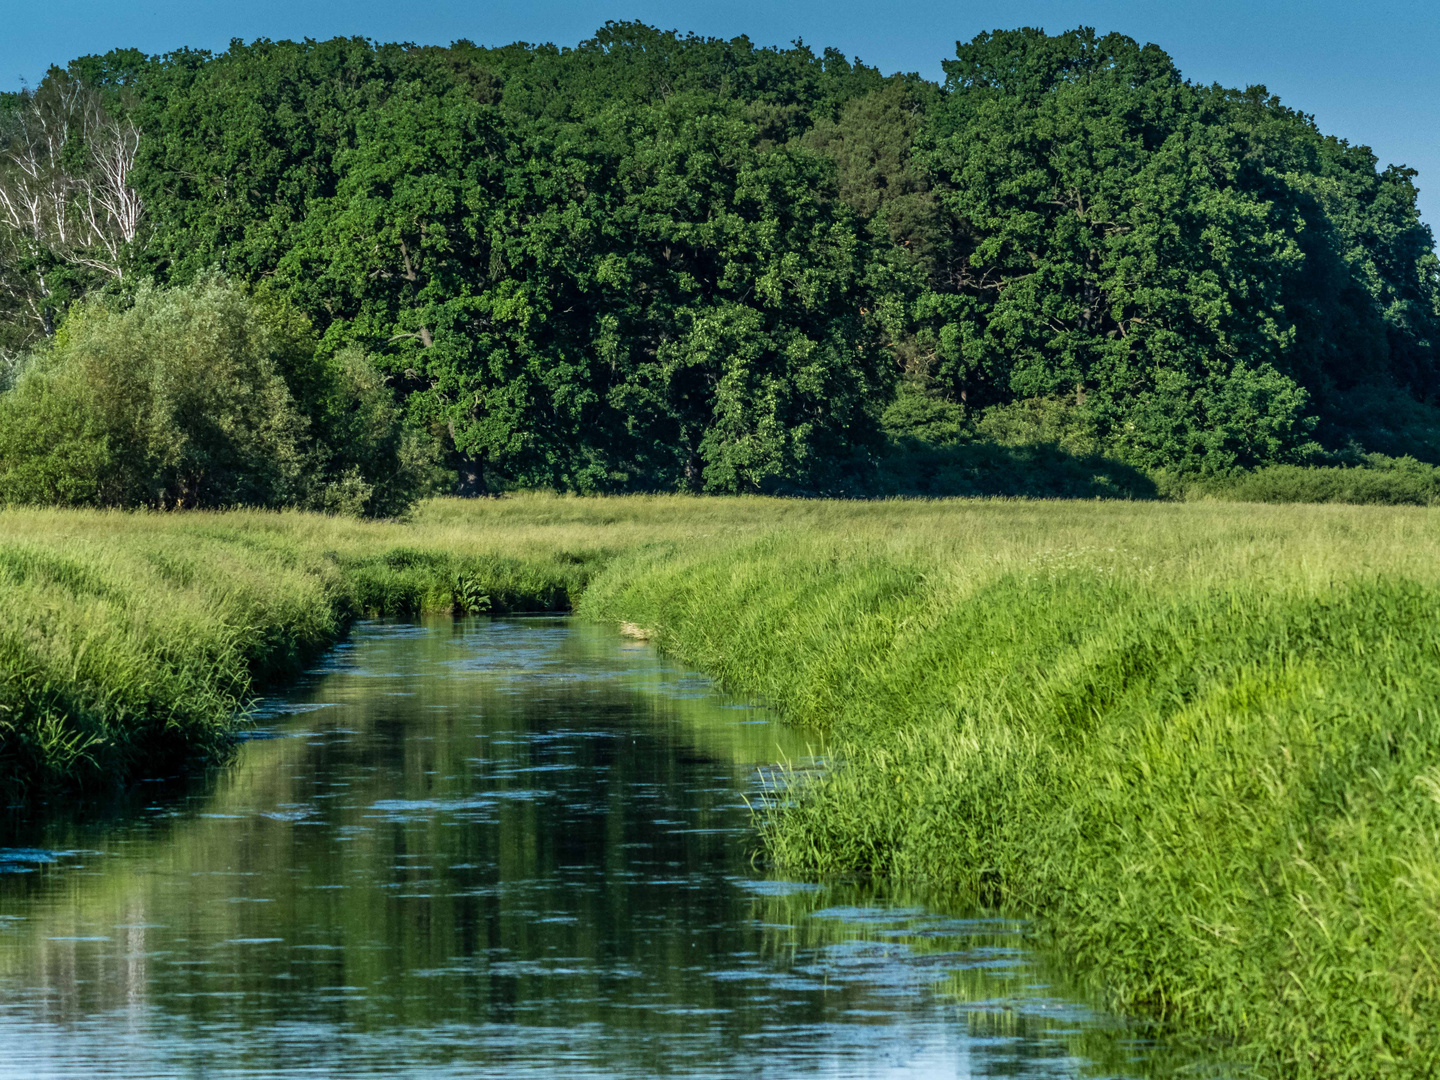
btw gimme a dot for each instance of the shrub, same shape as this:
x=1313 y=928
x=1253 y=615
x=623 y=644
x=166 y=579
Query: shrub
x=175 y=401
x=1379 y=480
x=203 y=396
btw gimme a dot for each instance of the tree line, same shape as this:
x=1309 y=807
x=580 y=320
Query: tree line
x=665 y=262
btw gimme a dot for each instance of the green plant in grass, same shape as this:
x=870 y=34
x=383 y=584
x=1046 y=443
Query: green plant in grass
x=470 y=595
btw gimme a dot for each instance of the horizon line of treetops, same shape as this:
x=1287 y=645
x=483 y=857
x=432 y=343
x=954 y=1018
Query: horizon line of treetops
x=340 y=274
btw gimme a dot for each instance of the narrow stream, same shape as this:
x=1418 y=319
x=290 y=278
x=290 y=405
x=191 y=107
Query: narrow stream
x=508 y=848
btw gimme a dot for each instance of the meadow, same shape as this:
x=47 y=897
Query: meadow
x=1195 y=743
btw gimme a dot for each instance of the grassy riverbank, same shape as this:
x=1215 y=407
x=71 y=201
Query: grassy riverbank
x=129 y=641
x=1197 y=743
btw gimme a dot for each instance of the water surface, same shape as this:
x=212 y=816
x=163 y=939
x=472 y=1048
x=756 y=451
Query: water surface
x=511 y=847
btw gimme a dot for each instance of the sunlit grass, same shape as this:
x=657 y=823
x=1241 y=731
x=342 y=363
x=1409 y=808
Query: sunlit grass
x=129 y=642
x=1196 y=743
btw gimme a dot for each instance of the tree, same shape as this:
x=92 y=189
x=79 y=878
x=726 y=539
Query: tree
x=661 y=261
x=1111 y=242
x=180 y=399
x=69 y=212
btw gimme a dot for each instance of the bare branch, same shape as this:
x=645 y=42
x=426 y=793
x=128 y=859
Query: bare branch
x=66 y=194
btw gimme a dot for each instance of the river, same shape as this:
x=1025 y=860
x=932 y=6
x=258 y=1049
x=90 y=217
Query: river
x=508 y=847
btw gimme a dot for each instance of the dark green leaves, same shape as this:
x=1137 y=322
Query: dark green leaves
x=660 y=262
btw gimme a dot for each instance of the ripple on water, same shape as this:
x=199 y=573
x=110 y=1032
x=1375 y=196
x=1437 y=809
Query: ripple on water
x=501 y=848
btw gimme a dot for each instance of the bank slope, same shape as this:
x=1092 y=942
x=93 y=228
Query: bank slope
x=130 y=643
x=1198 y=744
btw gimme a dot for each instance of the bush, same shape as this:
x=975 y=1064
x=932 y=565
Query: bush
x=1043 y=471
x=1043 y=421
x=203 y=397
x=173 y=402
x=1241 y=419
x=915 y=416
x=1379 y=480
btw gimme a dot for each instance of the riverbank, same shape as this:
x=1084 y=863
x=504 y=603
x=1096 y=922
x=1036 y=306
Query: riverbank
x=129 y=642
x=1196 y=743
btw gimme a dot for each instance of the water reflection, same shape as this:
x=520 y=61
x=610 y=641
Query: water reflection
x=496 y=848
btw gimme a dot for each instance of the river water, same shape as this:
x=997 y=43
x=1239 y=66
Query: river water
x=509 y=847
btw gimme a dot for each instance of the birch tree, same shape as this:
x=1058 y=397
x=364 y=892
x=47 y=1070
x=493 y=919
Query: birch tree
x=69 y=213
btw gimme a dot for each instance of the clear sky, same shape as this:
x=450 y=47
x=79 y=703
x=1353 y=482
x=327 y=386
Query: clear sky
x=1368 y=71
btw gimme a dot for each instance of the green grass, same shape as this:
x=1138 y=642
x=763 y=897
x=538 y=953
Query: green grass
x=1196 y=743
x=130 y=642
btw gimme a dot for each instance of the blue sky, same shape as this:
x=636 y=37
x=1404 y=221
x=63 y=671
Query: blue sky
x=1369 y=72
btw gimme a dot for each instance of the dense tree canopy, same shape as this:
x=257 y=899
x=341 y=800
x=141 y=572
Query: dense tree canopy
x=657 y=261
x=1163 y=252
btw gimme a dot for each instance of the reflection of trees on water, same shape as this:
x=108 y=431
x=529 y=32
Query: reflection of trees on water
x=470 y=836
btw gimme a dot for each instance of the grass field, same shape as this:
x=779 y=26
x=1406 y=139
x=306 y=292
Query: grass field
x=1196 y=743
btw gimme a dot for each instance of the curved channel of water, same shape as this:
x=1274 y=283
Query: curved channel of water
x=498 y=848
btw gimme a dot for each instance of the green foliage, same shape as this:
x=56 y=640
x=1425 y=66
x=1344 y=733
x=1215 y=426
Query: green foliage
x=1243 y=418
x=979 y=469
x=1377 y=481
x=470 y=596
x=173 y=401
x=1034 y=448
x=665 y=262
x=1158 y=248
x=915 y=416
x=871 y=142
x=183 y=398
x=1384 y=420
x=1063 y=422
x=562 y=275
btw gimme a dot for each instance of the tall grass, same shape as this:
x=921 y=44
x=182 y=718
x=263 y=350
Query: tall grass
x=129 y=642
x=1198 y=744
